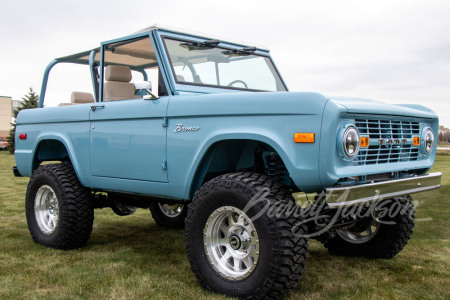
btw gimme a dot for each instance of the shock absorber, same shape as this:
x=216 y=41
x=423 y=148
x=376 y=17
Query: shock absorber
x=273 y=163
x=275 y=168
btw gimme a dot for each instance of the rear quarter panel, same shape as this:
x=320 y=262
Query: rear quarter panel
x=67 y=124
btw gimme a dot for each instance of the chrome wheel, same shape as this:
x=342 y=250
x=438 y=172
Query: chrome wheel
x=231 y=243
x=59 y=209
x=171 y=210
x=46 y=209
x=360 y=233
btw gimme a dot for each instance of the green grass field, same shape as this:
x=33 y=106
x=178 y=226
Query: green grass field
x=132 y=258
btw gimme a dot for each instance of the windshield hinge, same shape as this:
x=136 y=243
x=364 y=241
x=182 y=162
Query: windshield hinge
x=165 y=121
x=239 y=52
x=209 y=44
x=164 y=164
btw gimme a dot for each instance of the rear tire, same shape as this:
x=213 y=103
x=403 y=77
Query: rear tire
x=389 y=235
x=122 y=209
x=169 y=215
x=241 y=248
x=59 y=211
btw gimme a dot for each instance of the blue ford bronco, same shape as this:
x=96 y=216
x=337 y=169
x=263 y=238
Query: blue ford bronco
x=205 y=134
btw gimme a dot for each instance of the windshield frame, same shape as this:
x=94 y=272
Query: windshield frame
x=221 y=46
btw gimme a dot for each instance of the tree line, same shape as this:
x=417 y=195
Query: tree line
x=444 y=134
x=30 y=100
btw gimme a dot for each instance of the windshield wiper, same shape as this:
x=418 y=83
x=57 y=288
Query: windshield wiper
x=209 y=44
x=240 y=52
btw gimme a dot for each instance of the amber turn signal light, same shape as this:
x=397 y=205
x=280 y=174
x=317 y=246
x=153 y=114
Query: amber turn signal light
x=364 y=142
x=416 y=141
x=304 y=137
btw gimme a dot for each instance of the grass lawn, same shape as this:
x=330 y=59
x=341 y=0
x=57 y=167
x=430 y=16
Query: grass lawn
x=132 y=258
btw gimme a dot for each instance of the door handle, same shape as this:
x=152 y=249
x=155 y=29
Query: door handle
x=95 y=106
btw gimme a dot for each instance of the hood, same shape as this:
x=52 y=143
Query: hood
x=368 y=106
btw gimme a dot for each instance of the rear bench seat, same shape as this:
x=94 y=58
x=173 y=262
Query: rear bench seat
x=79 y=98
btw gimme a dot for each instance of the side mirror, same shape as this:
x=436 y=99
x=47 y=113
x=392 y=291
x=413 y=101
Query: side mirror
x=143 y=85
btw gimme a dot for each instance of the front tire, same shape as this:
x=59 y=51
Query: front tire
x=381 y=237
x=58 y=208
x=243 y=248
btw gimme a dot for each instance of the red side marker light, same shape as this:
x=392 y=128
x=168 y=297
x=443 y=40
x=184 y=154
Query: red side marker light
x=23 y=136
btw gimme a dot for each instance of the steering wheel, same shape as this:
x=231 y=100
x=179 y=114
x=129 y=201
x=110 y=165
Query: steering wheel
x=238 y=81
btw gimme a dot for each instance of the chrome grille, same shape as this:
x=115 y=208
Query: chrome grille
x=387 y=129
x=387 y=153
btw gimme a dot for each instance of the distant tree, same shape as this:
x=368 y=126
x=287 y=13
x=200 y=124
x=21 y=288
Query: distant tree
x=444 y=134
x=30 y=100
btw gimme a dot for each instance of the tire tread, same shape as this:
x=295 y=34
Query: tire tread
x=77 y=216
x=394 y=237
x=291 y=252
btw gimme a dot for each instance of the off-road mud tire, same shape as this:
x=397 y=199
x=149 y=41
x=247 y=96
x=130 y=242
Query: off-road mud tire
x=163 y=220
x=389 y=240
x=76 y=213
x=283 y=244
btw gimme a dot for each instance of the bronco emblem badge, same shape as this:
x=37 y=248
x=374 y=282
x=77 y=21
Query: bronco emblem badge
x=180 y=128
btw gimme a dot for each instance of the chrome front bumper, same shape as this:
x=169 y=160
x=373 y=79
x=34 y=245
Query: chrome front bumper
x=359 y=194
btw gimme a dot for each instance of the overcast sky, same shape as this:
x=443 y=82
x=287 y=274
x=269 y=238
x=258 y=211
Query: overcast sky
x=392 y=51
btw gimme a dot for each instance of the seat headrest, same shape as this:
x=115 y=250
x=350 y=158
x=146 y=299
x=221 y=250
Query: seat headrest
x=118 y=73
x=81 y=97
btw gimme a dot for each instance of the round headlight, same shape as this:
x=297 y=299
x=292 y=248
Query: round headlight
x=428 y=141
x=351 y=142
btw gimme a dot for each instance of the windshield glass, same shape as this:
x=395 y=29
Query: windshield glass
x=198 y=64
